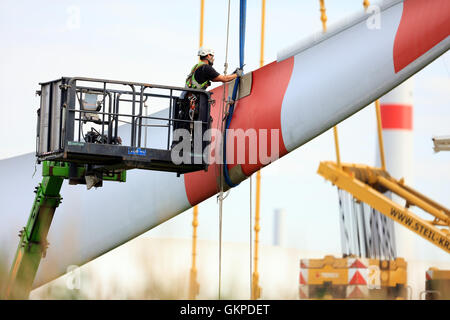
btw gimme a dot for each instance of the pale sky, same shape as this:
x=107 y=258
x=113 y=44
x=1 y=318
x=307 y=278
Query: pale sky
x=156 y=42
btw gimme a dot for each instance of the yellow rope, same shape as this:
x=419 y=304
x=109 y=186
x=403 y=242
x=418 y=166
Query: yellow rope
x=256 y=289
x=380 y=134
x=366 y=4
x=323 y=15
x=194 y=286
x=202 y=14
x=263 y=18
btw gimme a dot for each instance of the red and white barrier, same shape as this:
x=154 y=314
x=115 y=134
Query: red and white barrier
x=303 y=288
x=357 y=278
x=304 y=271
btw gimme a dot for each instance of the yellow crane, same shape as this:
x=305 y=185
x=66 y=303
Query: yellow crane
x=367 y=184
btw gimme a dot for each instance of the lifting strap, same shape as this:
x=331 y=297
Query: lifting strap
x=242 y=17
x=224 y=171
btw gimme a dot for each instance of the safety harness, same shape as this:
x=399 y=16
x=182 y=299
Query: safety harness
x=190 y=80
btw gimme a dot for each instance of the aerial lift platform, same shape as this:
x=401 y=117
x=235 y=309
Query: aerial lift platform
x=79 y=139
x=68 y=104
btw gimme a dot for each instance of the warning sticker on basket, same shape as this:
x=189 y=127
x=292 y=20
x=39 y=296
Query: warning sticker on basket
x=137 y=151
x=75 y=143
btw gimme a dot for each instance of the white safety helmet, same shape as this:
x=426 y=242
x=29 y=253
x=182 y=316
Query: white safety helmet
x=205 y=51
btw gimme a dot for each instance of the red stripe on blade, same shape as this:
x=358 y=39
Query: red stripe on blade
x=260 y=110
x=423 y=25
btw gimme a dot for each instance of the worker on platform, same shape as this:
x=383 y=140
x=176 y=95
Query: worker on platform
x=203 y=73
x=191 y=106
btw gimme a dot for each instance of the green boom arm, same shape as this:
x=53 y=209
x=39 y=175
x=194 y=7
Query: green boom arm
x=33 y=238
